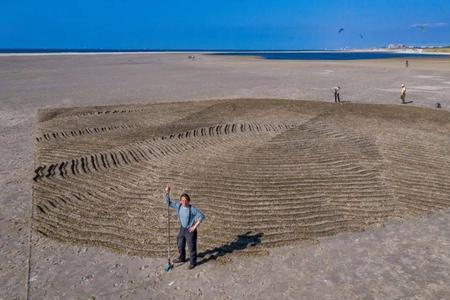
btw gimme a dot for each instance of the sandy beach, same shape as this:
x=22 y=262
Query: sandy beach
x=398 y=255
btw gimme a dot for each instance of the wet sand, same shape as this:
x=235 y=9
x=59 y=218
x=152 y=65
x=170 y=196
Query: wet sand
x=402 y=259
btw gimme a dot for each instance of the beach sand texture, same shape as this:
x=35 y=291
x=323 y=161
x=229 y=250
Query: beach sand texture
x=400 y=199
x=265 y=172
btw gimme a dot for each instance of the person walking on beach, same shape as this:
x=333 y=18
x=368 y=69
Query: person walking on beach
x=337 y=98
x=190 y=218
x=407 y=63
x=403 y=94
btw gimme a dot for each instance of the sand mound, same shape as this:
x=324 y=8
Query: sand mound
x=265 y=172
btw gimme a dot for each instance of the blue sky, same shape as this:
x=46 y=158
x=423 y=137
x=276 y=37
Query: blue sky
x=222 y=24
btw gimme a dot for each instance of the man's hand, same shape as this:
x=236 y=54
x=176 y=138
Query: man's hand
x=193 y=227
x=167 y=189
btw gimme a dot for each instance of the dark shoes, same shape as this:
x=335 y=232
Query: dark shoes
x=179 y=260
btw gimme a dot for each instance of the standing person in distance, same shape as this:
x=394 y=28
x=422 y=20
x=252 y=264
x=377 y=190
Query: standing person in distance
x=337 y=98
x=190 y=218
x=403 y=94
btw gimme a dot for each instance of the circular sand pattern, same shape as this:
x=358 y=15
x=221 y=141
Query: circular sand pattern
x=264 y=172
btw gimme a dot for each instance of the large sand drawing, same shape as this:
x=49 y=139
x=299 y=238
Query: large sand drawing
x=265 y=172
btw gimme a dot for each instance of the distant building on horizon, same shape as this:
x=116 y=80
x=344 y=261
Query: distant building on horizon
x=417 y=48
x=398 y=46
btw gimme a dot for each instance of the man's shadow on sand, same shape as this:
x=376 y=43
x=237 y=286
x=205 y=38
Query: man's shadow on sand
x=240 y=243
x=408 y=102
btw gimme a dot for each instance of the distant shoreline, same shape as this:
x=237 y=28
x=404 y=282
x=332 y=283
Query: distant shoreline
x=45 y=52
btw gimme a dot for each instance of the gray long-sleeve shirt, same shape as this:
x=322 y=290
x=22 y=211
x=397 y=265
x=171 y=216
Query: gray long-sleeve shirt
x=186 y=221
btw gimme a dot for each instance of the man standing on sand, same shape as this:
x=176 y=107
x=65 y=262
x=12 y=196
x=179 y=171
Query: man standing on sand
x=190 y=217
x=337 y=98
x=403 y=94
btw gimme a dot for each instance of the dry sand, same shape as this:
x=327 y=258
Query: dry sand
x=403 y=258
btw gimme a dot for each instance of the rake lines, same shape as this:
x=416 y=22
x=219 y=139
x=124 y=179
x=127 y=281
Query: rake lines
x=291 y=181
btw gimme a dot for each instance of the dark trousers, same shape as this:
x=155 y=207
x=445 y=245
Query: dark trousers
x=191 y=238
x=337 y=98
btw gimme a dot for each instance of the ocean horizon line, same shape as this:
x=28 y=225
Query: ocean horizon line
x=126 y=50
x=304 y=54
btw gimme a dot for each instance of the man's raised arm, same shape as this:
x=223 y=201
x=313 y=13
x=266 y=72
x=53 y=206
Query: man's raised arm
x=167 y=199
